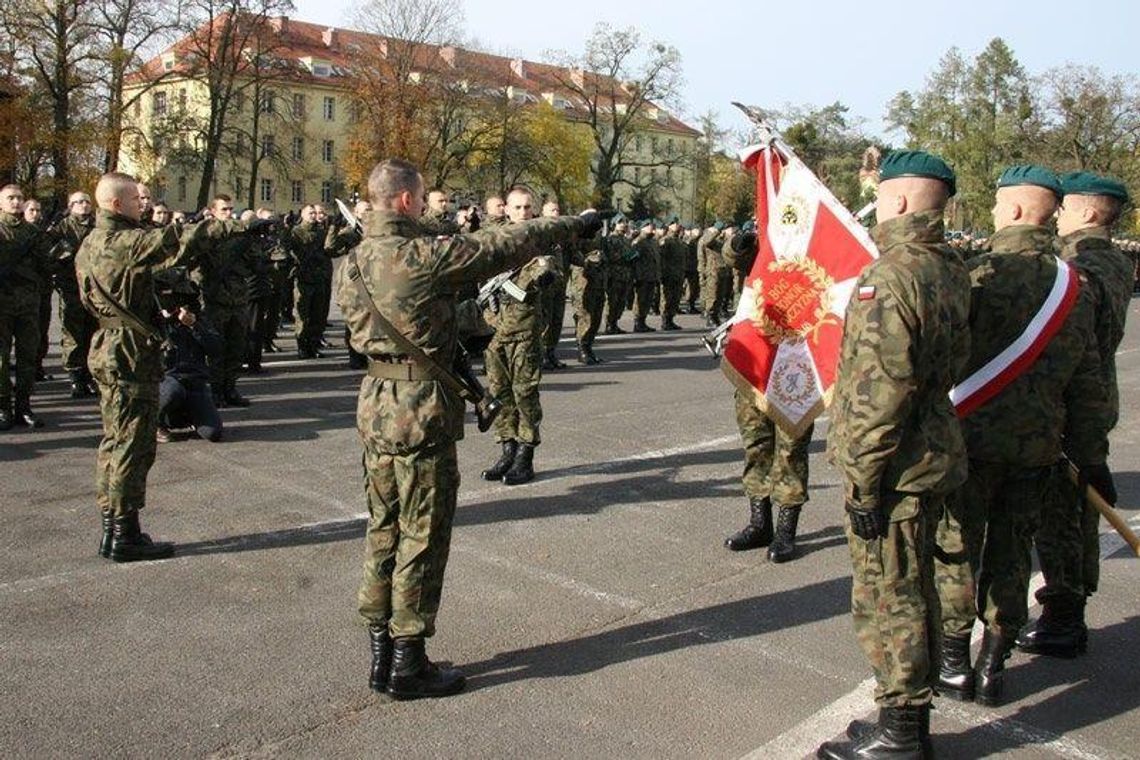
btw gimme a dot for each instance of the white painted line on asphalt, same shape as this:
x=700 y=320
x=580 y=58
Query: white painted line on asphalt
x=803 y=738
x=1025 y=734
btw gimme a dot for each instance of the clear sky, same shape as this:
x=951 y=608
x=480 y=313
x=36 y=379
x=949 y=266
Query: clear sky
x=807 y=52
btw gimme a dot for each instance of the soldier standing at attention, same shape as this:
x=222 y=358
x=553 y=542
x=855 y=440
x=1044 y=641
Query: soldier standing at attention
x=513 y=359
x=408 y=422
x=77 y=325
x=897 y=442
x=673 y=252
x=1014 y=438
x=619 y=274
x=1068 y=545
x=554 y=297
x=115 y=268
x=646 y=274
x=716 y=282
x=25 y=261
x=307 y=243
x=692 y=271
x=588 y=277
x=33 y=215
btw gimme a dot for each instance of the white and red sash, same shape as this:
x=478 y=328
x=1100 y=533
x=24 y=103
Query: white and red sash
x=991 y=378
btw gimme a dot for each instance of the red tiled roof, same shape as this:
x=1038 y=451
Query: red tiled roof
x=297 y=40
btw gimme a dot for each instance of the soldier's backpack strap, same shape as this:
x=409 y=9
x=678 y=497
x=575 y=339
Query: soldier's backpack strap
x=405 y=346
x=129 y=319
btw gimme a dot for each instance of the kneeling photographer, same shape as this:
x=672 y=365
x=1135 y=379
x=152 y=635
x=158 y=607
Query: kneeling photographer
x=185 y=399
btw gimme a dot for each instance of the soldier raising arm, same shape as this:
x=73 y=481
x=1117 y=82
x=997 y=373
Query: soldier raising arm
x=408 y=422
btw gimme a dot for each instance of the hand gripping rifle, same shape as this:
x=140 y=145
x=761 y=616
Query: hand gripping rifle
x=500 y=283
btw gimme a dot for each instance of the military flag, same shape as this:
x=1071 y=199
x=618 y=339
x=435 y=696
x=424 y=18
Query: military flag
x=784 y=345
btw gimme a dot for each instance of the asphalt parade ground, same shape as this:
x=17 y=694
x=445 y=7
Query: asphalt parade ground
x=595 y=611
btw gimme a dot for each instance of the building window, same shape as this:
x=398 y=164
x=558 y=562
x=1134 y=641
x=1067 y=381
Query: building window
x=637 y=144
x=637 y=174
x=268 y=101
x=268 y=145
x=327 y=191
x=327 y=152
x=239 y=186
x=669 y=146
x=298 y=105
x=182 y=99
x=239 y=101
x=329 y=108
x=181 y=189
x=298 y=148
x=653 y=146
x=160 y=104
x=138 y=106
x=298 y=192
x=239 y=148
x=267 y=191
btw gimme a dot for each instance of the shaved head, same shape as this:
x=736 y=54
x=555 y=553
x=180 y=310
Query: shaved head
x=118 y=193
x=1082 y=212
x=520 y=205
x=1023 y=204
x=910 y=195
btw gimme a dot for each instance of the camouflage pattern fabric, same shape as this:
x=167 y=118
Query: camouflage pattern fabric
x=619 y=277
x=894 y=606
x=313 y=247
x=409 y=428
x=554 y=296
x=692 y=273
x=588 y=292
x=77 y=326
x=121 y=256
x=716 y=275
x=223 y=271
x=25 y=265
x=673 y=252
x=775 y=464
x=896 y=439
x=514 y=371
x=646 y=275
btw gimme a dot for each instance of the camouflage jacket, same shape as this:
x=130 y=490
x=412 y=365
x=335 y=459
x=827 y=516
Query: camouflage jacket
x=673 y=252
x=414 y=279
x=619 y=264
x=515 y=321
x=71 y=231
x=1112 y=275
x=439 y=223
x=692 y=256
x=905 y=341
x=1060 y=395
x=709 y=254
x=647 y=265
x=25 y=264
x=739 y=261
x=588 y=269
x=121 y=255
x=312 y=246
x=225 y=265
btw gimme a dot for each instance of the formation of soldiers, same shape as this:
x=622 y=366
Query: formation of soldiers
x=984 y=478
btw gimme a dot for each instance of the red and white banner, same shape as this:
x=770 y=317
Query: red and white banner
x=991 y=378
x=784 y=346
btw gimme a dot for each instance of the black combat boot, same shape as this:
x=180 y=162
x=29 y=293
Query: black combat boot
x=758 y=531
x=381 y=645
x=551 y=360
x=23 y=415
x=783 y=546
x=503 y=463
x=108 y=530
x=130 y=544
x=614 y=329
x=639 y=326
x=1059 y=632
x=522 y=469
x=710 y=321
x=989 y=671
x=413 y=675
x=669 y=324
x=903 y=733
x=78 y=384
x=582 y=358
x=955 y=676
x=233 y=398
x=591 y=357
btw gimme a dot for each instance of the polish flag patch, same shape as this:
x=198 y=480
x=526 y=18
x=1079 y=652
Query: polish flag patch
x=866 y=292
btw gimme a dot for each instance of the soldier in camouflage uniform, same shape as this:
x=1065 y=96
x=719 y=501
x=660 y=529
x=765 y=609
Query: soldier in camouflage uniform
x=1068 y=543
x=25 y=264
x=259 y=285
x=1014 y=439
x=33 y=215
x=513 y=360
x=692 y=271
x=76 y=323
x=114 y=268
x=312 y=244
x=554 y=297
x=409 y=423
x=673 y=253
x=588 y=290
x=897 y=441
x=716 y=275
x=740 y=260
x=646 y=274
x=619 y=274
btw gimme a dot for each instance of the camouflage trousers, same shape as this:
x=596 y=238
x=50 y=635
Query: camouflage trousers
x=232 y=324
x=670 y=297
x=716 y=291
x=126 y=453
x=643 y=298
x=588 y=306
x=514 y=369
x=21 y=327
x=554 y=310
x=77 y=326
x=984 y=541
x=775 y=463
x=313 y=300
x=411 y=506
x=617 y=291
x=894 y=604
x=1068 y=544
x=692 y=288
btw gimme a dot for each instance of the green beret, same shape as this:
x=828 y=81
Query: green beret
x=1087 y=183
x=1030 y=174
x=917 y=163
x=618 y=217
x=645 y=223
x=718 y=225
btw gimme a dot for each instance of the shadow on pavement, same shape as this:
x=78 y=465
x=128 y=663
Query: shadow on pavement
x=720 y=622
x=325 y=533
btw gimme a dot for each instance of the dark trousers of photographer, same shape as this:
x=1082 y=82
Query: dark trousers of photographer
x=189 y=403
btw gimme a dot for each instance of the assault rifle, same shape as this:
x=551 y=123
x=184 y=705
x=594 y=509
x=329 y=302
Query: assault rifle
x=500 y=283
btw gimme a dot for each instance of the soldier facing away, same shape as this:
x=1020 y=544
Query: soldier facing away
x=408 y=422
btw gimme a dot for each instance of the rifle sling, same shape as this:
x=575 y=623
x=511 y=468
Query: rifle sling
x=126 y=317
x=409 y=349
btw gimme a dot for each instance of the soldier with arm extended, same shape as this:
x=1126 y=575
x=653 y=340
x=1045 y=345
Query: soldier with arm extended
x=897 y=442
x=1068 y=544
x=409 y=423
x=554 y=296
x=115 y=271
x=588 y=272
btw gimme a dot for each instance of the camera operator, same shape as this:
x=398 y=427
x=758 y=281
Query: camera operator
x=184 y=397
